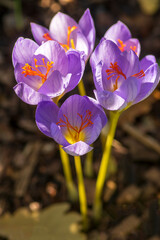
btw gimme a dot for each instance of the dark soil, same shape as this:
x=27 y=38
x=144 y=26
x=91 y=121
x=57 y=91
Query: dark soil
x=132 y=192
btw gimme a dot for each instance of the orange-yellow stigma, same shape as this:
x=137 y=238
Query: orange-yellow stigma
x=134 y=48
x=75 y=131
x=115 y=70
x=122 y=45
x=70 y=42
x=34 y=71
x=47 y=36
x=139 y=75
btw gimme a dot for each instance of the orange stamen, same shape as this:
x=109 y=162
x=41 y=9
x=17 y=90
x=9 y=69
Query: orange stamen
x=133 y=48
x=115 y=86
x=139 y=75
x=65 y=46
x=34 y=71
x=115 y=70
x=122 y=45
x=70 y=30
x=47 y=36
x=85 y=122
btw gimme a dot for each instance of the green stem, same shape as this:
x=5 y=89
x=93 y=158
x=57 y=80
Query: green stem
x=97 y=208
x=68 y=175
x=81 y=88
x=81 y=189
x=103 y=136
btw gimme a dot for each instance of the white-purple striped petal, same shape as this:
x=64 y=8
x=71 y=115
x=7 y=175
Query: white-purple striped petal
x=46 y=114
x=38 y=32
x=78 y=148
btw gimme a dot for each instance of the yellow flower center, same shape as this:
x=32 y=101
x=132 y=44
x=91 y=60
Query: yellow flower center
x=74 y=134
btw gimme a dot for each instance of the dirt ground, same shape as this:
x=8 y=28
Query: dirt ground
x=31 y=173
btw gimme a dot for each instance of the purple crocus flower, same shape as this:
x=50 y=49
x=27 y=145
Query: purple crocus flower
x=46 y=71
x=75 y=125
x=66 y=31
x=120 y=78
x=121 y=35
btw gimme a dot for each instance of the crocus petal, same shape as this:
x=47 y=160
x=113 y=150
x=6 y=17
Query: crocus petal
x=77 y=149
x=57 y=135
x=133 y=66
x=29 y=95
x=76 y=66
x=53 y=86
x=129 y=89
x=38 y=31
x=106 y=51
x=82 y=44
x=97 y=76
x=149 y=82
x=88 y=29
x=71 y=107
x=109 y=100
x=97 y=110
x=77 y=104
x=76 y=62
x=118 y=31
x=23 y=51
x=59 y=27
x=147 y=61
x=93 y=133
x=55 y=53
x=46 y=114
x=131 y=44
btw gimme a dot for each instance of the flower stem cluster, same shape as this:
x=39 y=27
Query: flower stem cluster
x=53 y=64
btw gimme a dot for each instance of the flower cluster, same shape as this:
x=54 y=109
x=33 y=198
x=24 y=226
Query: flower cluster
x=53 y=64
